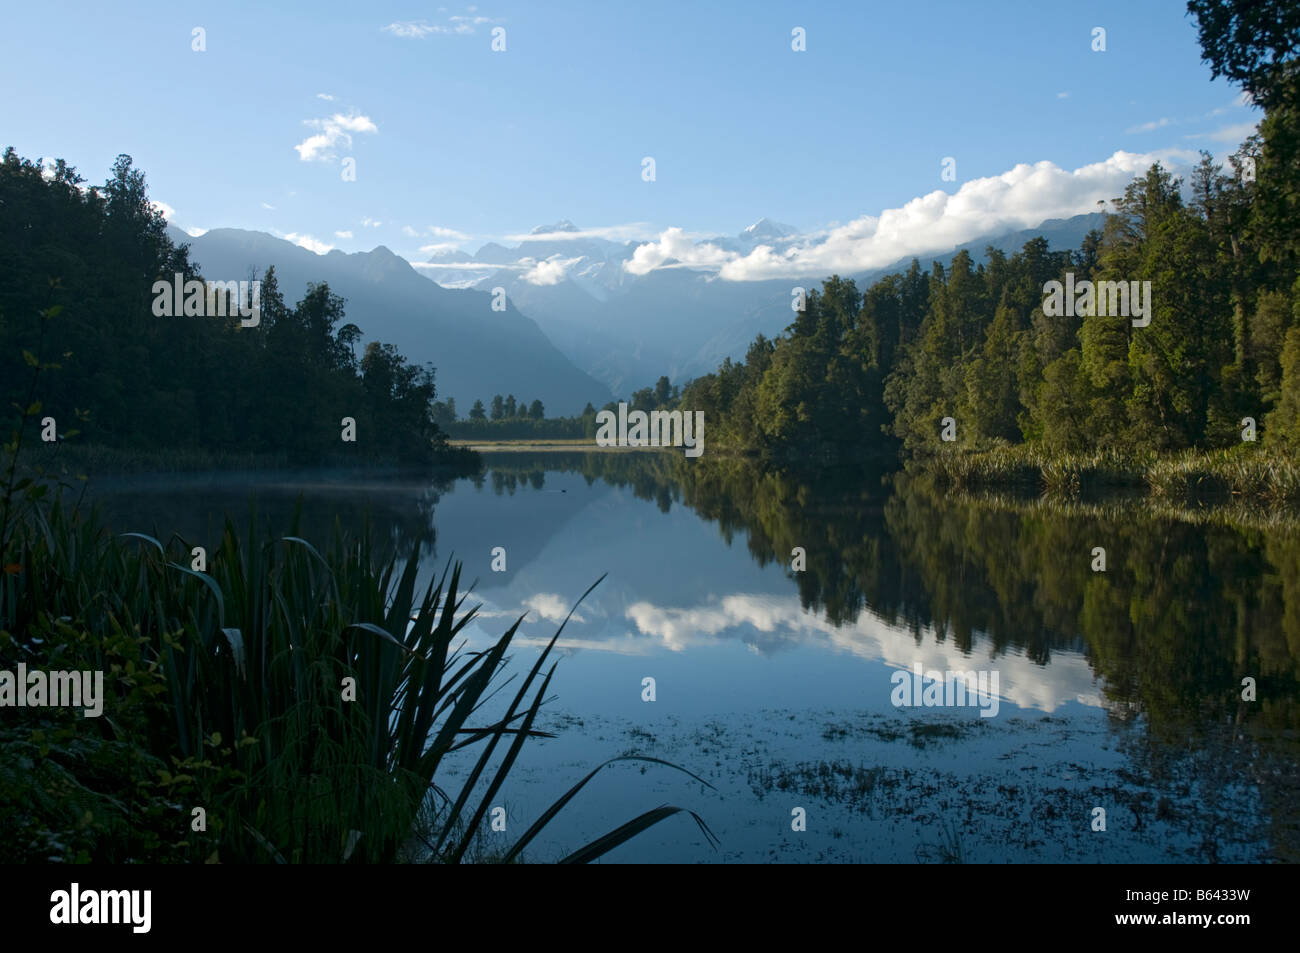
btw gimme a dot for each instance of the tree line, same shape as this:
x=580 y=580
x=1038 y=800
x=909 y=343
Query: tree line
x=77 y=268
x=873 y=371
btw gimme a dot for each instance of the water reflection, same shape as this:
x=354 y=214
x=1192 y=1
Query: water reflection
x=700 y=582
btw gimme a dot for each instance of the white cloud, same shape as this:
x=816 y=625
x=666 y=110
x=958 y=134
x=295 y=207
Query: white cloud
x=409 y=232
x=783 y=621
x=672 y=246
x=309 y=243
x=335 y=131
x=548 y=272
x=371 y=222
x=343 y=234
x=473 y=265
x=411 y=28
x=325 y=96
x=1234 y=134
x=633 y=231
x=167 y=211
x=437 y=231
x=419 y=29
x=1151 y=126
x=551 y=607
x=268 y=206
x=1022 y=197
x=1062 y=95
x=439 y=247
x=194 y=232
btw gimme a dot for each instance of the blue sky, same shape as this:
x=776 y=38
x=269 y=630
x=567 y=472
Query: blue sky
x=456 y=144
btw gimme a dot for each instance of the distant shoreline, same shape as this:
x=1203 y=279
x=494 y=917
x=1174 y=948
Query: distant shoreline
x=546 y=446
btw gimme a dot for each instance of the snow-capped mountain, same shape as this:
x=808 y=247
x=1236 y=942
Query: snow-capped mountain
x=626 y=329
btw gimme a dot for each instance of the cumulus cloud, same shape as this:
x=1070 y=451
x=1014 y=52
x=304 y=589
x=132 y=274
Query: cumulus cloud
x=675 y=248
x=551 y=607
x=325 y=96
x=195 y=232
x=167 y=211
x=783 y=623
x=371 y=222
x=309 y=243
x=1022 y=197
x=548 y=272
x=335 y=131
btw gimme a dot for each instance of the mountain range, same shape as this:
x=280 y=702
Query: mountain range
x=627 y=329
x=477 y=351
x=578 y=325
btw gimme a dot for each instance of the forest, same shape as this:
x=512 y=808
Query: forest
x=80 y=342
x=875 y=371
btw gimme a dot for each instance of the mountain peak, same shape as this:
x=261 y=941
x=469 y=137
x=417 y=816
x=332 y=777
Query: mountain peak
x=766 y=228
x=561 y=226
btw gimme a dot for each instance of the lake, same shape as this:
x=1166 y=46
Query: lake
x=1105 y=719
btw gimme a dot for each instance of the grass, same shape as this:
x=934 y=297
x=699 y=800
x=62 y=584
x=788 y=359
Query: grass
x=305 y=699
x=1248 y=472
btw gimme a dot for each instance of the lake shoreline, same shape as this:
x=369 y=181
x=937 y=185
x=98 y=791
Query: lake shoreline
x=1246 y=473
x=72 y=459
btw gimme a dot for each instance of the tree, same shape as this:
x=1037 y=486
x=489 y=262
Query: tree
x=1252 y=43
x=511 y=408
x=663 y=392
x=1283 y=424
x=348 y=336
x=498 y=407
x=477 y=412
x=536 y=410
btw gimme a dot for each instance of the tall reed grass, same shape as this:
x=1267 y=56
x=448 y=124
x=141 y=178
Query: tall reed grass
x=1270 y=476
x=233 y=687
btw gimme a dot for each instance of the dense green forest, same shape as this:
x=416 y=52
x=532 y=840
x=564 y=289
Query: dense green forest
x=867 y=372
x=876 y=369
x=80 y=342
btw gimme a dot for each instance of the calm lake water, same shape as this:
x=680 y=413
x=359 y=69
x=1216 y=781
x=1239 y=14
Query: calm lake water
x=1118 y=689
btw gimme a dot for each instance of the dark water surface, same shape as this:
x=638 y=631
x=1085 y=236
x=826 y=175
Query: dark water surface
x=1119 y=690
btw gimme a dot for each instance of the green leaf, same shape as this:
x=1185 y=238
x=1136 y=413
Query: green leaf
x=30 y=358
x=555 y=808
x=146 y=538
x=210 y=583
x=376 y=630
x=625 y=832
x=235 y=639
